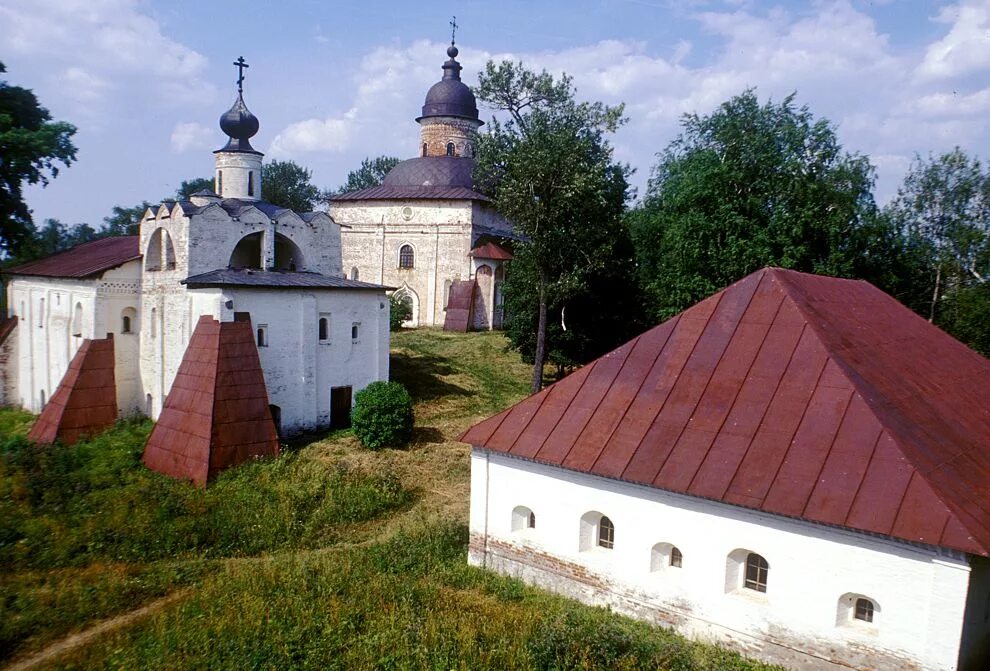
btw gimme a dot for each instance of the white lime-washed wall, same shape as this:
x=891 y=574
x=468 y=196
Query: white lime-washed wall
x=299 y=368
x=440 y=232
x=55 y=316
x=204 y=242
x=815 y=571
x=234 y=171
x=9 y=363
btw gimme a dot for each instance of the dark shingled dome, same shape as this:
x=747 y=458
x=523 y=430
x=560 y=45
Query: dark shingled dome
x=240 y=125
x=450 y=96
x=432 y=171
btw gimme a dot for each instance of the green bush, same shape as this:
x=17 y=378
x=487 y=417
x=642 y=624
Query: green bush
x=400 y=310
x=383 y=415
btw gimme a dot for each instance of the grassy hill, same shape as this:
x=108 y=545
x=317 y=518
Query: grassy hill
x=328 y=557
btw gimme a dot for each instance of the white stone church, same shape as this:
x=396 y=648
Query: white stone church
x=227 y=257
x=425 y=230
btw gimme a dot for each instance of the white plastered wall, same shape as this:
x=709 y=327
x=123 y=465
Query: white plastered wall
x=55 y=316
x=920 y=592
x=440 y=231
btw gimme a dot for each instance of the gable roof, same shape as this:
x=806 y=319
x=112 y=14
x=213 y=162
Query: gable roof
x=86 y=260
x=491 y=250
x=805 y=396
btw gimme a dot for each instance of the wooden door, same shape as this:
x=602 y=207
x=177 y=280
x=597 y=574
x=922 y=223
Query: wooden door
x=340 y=407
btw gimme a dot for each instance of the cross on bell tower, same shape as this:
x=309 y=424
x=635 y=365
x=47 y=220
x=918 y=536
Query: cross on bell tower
x=240 y=65
x=453 y=29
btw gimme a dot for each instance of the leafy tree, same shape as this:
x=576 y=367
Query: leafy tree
x=942 y=213
x=191 y=186
x=286 y=184
x=371 y=173
x=750 y=186
x=125 y=220
x=400 y=310
x=31 y=146
x=549 y=169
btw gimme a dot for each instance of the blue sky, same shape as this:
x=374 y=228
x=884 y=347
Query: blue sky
x=332 y=82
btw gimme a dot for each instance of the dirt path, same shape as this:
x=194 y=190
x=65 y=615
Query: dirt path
x=86 y=636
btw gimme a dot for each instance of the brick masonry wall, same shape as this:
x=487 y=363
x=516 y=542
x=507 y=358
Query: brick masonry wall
x=436 y=132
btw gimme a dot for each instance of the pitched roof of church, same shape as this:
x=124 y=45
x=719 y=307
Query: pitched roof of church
x=800 y=395
x=86 y=260
x=424 y=177
x=247 y=277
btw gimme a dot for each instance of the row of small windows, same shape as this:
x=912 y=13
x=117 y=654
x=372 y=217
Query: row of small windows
x=450 y=149
x=323 y=332
x=755 y=573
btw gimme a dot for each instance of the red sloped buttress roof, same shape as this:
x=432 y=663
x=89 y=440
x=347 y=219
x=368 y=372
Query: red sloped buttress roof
x=216 y=414
x=800 y=395
x=85 y=402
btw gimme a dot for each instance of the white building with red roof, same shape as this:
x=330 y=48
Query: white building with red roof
x=227 y=319
x=798 y=466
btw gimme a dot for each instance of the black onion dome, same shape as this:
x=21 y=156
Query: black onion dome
x=239 y=125
x=450 y=96
x=432 y=171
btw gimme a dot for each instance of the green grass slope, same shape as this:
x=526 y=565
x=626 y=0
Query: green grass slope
x=328 y=557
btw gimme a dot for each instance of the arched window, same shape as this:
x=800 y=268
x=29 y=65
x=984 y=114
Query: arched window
x=757 y=571
x=354 y=273
x=77 y=321
x=219 y=182
x=324 y=328
x=606 y=533
x=424 y=149
x=288 y=256
x=864 y=610
x=154 y=323
x=857 y=610
x=127 y=318
x=450 y=149
x=262 y=334
x=664 y=556
x=41 y=313
x=523 y=518
x=251 y=182
x=406 y=256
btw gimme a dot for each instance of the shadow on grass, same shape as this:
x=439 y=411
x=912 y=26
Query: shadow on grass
x=421 y=375
x=427 y=434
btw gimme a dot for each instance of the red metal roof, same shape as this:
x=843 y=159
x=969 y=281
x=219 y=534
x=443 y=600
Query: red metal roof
x=801 y=395
x=216 y=414
x=85 y=402
x=490 y=250
x=85 y=260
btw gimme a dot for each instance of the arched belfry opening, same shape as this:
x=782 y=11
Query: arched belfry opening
x=288 y=256
x=247 y=253
x=160 y=254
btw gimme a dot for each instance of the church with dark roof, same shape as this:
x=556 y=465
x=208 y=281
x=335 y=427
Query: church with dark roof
x=425 y=230
x=227 y=319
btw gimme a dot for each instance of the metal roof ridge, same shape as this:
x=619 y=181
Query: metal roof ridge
x=869 y=394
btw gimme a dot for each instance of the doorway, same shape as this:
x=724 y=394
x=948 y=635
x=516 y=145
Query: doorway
x=340 y=407
x=277 y=419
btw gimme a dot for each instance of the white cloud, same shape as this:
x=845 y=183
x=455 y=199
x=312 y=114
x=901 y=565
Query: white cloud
x=313 y=135
x=102 y=40
x=966 y=47
x=190 y=136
